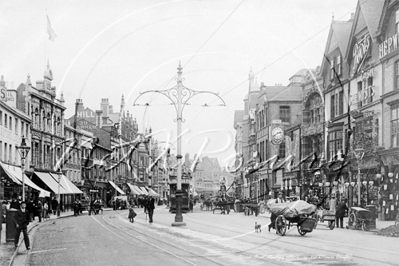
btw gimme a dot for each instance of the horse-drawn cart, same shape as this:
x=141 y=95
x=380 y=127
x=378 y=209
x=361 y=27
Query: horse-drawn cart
x=287 y=215
x=251 y=208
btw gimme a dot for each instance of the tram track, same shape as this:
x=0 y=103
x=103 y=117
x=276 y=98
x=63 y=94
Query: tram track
x=192 y=254
x=348 y=247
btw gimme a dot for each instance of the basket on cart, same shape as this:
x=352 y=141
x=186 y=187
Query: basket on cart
x=292 y=213
x=330 y=217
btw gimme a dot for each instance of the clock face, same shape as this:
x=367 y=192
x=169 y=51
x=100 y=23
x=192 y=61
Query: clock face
x=277 y=133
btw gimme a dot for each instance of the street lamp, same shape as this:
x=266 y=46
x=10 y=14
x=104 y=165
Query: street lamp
x=179 y=96
x=359 y=153
x=23 y=152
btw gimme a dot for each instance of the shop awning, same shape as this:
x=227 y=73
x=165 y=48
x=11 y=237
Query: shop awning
x=51 y=183
x=68 y=185
x=116 y=187
x=143 y=190
x=8 y=170
x=133 y=190
x=28 y=182
x=16 y=173
x=152 y=193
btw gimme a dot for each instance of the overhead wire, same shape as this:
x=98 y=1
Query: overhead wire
x=207 y=40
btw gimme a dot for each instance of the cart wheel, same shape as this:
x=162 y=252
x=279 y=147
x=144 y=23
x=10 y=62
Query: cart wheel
x=365 y=226
x=302 y=233
x=331 y=225
x=281 y=225
x=351 y=220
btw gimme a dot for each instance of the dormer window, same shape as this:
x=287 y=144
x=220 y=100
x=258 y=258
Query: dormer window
x=335 y=67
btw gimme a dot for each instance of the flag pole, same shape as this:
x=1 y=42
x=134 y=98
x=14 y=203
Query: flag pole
x=45 y=39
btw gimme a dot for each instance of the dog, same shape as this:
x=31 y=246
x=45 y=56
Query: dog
x=258 y=227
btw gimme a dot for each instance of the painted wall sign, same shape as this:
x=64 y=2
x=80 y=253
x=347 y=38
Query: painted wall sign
x=360 y=51
x=388 y=46
x=3 y=94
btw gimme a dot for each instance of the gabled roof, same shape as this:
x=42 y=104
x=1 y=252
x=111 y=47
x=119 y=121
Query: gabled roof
x=340 y=31
x=238 y=117
x=386 y=10
x=283 y=93
x=371 y=11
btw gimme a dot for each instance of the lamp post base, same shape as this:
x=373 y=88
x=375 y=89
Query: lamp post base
x=179 y=217
x=178 y=224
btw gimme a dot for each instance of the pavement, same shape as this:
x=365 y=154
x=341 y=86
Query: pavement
x=7 y=250
x=17 y=256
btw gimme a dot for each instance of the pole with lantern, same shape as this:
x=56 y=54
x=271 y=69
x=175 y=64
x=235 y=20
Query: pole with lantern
x=359 y=153
x=179 y=96
x=23 y=150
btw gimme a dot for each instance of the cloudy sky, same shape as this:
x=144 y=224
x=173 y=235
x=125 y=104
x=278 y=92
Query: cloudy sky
x=104 y=49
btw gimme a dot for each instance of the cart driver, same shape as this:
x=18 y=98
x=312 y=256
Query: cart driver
x=273 y=216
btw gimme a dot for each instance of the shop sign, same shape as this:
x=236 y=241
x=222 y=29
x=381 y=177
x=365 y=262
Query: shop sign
x=388 y=46
x=3 y=94
x=360 y=51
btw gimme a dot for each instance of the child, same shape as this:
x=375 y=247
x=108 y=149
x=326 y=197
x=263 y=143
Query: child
x=132 y=214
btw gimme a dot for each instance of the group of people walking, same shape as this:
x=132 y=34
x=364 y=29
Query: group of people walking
x=148 y=203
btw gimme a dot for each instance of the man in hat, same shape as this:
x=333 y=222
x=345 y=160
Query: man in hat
x=150 y=207
x=273 y=216
x=21 y=221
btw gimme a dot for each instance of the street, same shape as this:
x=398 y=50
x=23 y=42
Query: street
x=208 y=239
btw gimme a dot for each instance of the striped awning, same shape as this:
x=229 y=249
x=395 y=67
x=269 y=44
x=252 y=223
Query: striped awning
x=116 y=188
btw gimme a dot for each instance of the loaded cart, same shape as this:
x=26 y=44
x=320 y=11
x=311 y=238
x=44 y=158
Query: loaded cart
x=330 y=217
x=289 y=214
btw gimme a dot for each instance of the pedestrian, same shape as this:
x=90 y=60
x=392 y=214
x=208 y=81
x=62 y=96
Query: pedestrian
x=76 y=208
x=54 y=205
x=21 y=221
x=31 y=209
x=15 y=203
x=145 y=203
x=340 y=213
x=132 y=214
x=38 y=209
x=273 y=216
x=332 y=203
x=150 y=208
x=45 y=210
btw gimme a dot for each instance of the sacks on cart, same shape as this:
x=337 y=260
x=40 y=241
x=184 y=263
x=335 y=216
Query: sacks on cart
x=291 y=209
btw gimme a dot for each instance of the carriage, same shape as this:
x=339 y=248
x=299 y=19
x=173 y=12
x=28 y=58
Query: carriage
x=360 y=218
x=221 y=204
x=206 y=205
x=293 y=213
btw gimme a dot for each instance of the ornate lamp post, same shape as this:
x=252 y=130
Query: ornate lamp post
x=359 y=153
x=23 y=150
x=179 y=96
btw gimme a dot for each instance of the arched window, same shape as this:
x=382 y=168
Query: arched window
x=315 y=108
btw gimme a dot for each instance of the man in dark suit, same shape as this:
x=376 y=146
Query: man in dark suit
x=21 y=221
x=340 y=213
x=150 y=207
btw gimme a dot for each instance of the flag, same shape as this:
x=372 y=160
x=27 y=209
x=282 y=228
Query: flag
x=50 y=30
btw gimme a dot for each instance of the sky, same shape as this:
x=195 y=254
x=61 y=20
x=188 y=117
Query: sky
x=104 y=49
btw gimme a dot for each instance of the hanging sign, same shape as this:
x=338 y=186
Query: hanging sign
x=360 y=51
